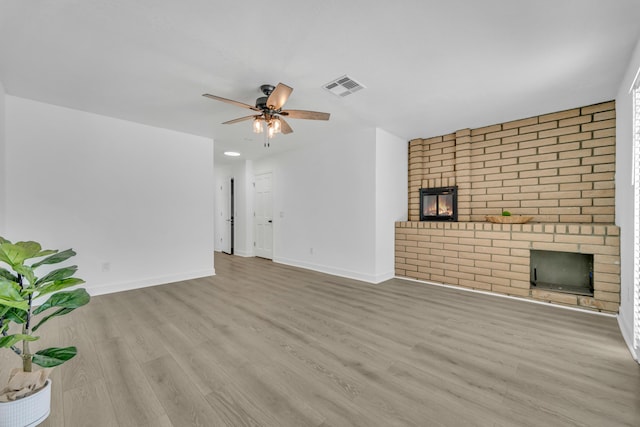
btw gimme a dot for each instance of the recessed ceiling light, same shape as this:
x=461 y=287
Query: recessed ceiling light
x=231 y=153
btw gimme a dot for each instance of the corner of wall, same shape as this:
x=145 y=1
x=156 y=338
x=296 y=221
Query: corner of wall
x=624 y=197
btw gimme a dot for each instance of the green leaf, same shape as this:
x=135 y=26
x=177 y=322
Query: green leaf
x=55 y=258
x=59 y=274
x=59 y=285
x=27 y=272
x=16 y=253
x=3 y=240
x=16 y=315
x=54 y=356
x=8 y=275
x=72 y=299
x=59 y=312
x=67 y=301
x=10 y=340
x=10 y=296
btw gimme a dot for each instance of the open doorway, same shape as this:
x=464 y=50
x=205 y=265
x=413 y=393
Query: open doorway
x=228 y=198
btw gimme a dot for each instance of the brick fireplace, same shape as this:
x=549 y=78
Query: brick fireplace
x=558 y=168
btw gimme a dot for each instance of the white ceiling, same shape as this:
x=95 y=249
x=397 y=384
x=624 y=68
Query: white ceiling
x=430 y=66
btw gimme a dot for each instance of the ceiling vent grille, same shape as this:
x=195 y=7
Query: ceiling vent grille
x=343 y=86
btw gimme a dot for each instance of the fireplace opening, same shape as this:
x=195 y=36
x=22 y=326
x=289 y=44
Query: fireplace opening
x=439 y=204
x=566 y=272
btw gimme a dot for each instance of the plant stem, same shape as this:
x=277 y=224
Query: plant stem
x=26 y=354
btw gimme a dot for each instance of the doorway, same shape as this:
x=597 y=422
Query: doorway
x=228 y=197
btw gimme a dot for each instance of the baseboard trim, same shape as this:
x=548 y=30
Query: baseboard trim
x=627 y=335
x=495 y=294
x=375 y=279
x=110 y=288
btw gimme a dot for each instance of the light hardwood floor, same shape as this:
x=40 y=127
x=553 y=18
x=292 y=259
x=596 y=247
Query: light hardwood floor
x=263 y=344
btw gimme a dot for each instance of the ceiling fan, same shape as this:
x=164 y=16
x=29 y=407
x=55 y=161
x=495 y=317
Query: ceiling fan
x=270 y=112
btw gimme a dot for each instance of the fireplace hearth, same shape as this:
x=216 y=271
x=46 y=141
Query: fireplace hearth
x=439 y=204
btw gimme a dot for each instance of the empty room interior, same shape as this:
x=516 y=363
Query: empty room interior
x=340 y=213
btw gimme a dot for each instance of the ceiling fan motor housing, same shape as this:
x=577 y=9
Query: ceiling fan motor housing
x=261 y=102
x=267 y=89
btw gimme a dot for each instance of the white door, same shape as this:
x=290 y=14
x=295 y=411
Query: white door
x=263 y=204
x=227 y=215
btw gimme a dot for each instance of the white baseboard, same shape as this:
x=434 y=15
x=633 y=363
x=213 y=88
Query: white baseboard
x=335 y=271
x=627 y=335
x=243 y=253
x=109 y=288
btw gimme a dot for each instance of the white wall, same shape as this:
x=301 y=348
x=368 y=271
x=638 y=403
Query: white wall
x=3 y=160
x=134 y=201
x=625 y=196
x=391 y=177
x=335 y=203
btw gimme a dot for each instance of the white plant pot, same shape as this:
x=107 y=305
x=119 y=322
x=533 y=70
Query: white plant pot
x=28 y=411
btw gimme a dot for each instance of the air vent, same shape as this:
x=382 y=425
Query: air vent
x=343 y=86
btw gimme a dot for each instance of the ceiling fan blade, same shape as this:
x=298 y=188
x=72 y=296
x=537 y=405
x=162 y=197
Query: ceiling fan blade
x=231 y=101
x=241 y=119
x=284 y=126
x=279 y=96
x=302 y=114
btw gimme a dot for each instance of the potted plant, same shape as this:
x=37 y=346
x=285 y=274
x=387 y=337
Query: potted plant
x=26 y=303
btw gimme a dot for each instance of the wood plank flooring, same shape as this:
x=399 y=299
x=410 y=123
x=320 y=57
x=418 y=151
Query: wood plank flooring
x=262 y=344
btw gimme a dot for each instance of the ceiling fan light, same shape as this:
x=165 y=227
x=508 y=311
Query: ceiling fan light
x=257 y=125
x=276 y=125
x=271 y=130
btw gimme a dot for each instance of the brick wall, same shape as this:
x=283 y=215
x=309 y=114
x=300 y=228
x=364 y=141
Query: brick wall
x=557 y=167
x=495 y=257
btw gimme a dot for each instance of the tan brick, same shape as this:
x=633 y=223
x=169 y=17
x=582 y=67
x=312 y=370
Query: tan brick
x=576 y=170
x=600 y=142
x=582 y=136
x=599 y=210
x=607 y=296
x=573 y=146
x=559 y=247
x=575 y=121
x=605 y=115
x=585 y=301
x=579 y=239
x=501 y=134
x=540 y=142
x=509 y=290
x=560 y=115
x=604 y=133
x=554 y=297
x=519 y=138
x=609 y=282
x=486 y=129
x=575 y=154
x=538 y=127
x=604 y=124
x=596 y=108
x=572 y=186
x=611 y=167
x=520 y=123
x=560 y=131
x=599 y=250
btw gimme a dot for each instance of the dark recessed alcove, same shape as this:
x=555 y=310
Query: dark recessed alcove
x=566 y=272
